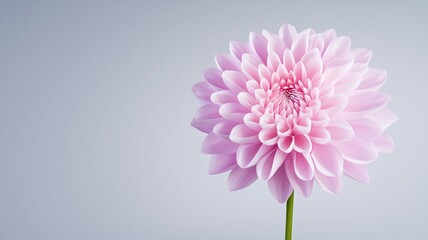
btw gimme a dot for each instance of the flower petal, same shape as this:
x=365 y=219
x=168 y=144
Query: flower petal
x=227 y=62
x=214 y=144
x=264 y=165
x=213 y=77
x=249 y=154
x=356 y=171
x=367 y=101
x=303 y=166
x=268 y=136
x=241 y=178
x=302 y=143
x=366 y=127
x=327 y=159
x=373 y=79
x=247 y=100
x=222 y=163
x=359 y=150
x=233 y=112
x=340 y=130
x=222 y=97
x=303 y=188
x=223 y=128
x=250 y=65
x=202 y=90
x=336 y=49
x=239 y=48
x=259 y=44
x=384 y=117
x=287 y=33
x=362 y=55
x=335 y=104
x=235 y=81
x=286 y=144
x=329 y=184
x=206 y=118
x=279 y=186
x=384 y=143
x=242 y=134
x=300 y=46
x=320 y=135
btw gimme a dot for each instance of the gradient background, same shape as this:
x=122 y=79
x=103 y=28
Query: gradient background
x=95 y=111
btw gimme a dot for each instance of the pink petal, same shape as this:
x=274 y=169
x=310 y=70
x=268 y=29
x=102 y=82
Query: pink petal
x=227 y=62
x=242 y=134
x=359 y=150
x=335 y=104
x=328 y=37
x=276 y=45
x=367 y=101
x=273 y=61
x=366 y=127
x=384 y=143
x=303 y=188
x=302 y=143
x=222 y=97
x=327 y=159
x=300 y=72
x=356 y=171
x=241 y=178
x=373 y=79
x=235 y=81
x=348 y=83
x=287 y=33
x=279 y=186
x=268 y=136
x=384 y=117
x=362 y=55
x=336 y=49
x=329 y=184
x=313 y=63
x=320 y=118
x=222 y=163
x=259 y=44
x=283 y=129
x=233 y=111
x=302 y=126
x=206 y=117
x=203 y=91
x=303 y=166
x=340 y=130
x=249 y=154
x=300 y=46
x=288 y=60
x=213 y=77
x=264 y=165
x=252 y=121
x=214 y=144
x=286 y=144
x=223 y=128
x=247 y=100
x=250 y=65
x=239 y=48
x=320 y=135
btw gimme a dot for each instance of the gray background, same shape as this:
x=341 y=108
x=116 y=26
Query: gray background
x=95 y=105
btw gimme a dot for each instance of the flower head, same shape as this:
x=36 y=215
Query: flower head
x=292 y=109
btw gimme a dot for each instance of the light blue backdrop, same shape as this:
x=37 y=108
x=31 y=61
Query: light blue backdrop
x=95 y=106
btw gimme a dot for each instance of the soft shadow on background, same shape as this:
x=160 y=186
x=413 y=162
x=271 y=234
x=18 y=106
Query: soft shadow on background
x=95 y=111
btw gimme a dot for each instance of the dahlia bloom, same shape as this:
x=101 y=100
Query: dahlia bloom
x=292 y=109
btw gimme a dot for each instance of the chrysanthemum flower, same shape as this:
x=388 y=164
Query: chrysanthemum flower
x=292 y=109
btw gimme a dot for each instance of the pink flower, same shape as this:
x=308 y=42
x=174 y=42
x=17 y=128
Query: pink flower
x=292 y=109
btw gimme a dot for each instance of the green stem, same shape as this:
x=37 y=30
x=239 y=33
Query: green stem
x=289 y=217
